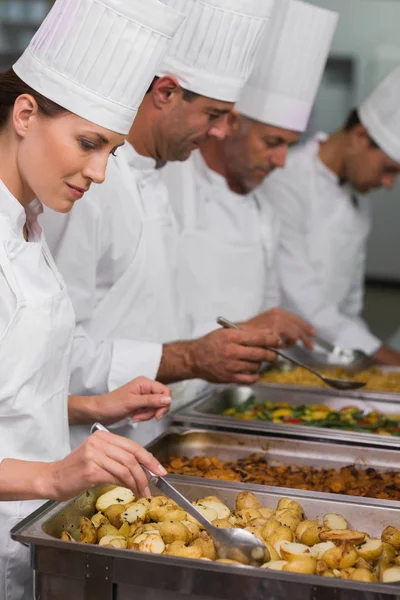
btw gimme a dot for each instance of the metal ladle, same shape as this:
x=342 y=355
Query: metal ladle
x=338 y=384
x=234 y=544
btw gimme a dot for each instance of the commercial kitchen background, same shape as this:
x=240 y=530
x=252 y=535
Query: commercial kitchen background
x=366 y=47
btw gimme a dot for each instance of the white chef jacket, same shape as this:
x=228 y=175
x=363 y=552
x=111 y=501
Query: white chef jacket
x=228 y=243
x=36 y=330
x=120 y=296
x=322 y=247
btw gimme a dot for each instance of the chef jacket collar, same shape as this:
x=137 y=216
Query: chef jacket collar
x=145 y=164
x=329 y=175
x=18 y=215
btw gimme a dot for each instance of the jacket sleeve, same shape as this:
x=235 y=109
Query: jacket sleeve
x=302 y=292
x=83 y=236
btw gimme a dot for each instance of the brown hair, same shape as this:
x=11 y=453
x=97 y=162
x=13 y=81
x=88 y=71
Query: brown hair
x=11 y=86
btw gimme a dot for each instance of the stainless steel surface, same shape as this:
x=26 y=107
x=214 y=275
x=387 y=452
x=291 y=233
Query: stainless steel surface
x=338 y=384
x=229 y=446
x=207 y=413
x=86 y=572
x=235 y=544
x=353 y=360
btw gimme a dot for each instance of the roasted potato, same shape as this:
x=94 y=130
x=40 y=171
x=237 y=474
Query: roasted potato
x=172 y=531
x=206 y=545
x=391 y=536
x=118 y=495
x=306 y=565
x=247 y=500
x=179 y=549
x=88 y=532
x=114 y=514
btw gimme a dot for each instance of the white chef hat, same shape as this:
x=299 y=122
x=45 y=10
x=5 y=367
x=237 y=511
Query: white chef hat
x=380 y=115
x=97 y=58
x=214 y=51
x=283 y=85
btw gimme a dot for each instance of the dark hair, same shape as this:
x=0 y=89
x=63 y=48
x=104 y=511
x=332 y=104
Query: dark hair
x=187 y=94
x=352 y=121
x=11 y=86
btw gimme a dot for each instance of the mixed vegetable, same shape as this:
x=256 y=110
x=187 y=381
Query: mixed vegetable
x=318 y=415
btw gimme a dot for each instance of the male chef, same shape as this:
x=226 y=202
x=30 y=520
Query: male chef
x=228 y=229
x=118 y=250
x=325 y=219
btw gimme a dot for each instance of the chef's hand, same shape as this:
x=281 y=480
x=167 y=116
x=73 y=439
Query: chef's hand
x=104 y=458
x=232 y=356
x=288 y=326
x=141 y=399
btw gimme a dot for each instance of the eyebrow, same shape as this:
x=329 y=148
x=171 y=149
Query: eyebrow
x=100 y=137
x=220 y=111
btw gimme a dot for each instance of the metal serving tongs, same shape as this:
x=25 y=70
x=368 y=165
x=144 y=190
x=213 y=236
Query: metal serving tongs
x=338 y=384
x=234 y=544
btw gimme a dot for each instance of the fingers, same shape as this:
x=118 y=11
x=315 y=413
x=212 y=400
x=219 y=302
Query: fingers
x=250 y=354
x=150 y=401
x=135 y=450
x=258 y=338
x=149 y=386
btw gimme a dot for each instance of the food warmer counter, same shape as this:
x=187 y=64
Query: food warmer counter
x=66 y=571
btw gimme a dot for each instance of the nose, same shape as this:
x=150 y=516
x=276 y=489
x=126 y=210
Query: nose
x=220 y=129
x=279 y=156
x=95 y=170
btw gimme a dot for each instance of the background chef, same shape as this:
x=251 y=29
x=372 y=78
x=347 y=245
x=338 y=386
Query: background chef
x=58 y=126
x=229 y=232
x=125 y=292
x=325 y=219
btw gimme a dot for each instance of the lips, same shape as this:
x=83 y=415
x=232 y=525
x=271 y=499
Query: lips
x=78 y=189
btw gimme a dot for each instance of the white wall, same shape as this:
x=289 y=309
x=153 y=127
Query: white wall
x=365 y=48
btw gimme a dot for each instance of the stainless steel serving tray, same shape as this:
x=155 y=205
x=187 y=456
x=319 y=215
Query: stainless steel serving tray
x=324 y=390
x=207 y=412
x=68 y=571
x=230 y=446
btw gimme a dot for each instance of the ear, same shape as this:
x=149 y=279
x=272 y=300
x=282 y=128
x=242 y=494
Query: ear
x=359 y=138
x=25 y=108
x=165 y=91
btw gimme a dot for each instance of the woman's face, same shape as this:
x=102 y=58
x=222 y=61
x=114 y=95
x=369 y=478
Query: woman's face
x=60 y=157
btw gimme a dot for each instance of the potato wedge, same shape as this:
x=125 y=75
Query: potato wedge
x=318 y=550
x=136 y=512
x=222 y=511
x=88 y=532
x=362 y=575
x=66 y=536
x=98 y=519
x=206 y=546
x=114 y=541
x=106 y=529
x=288 y=517
x=289 y=504
x=114 y=514
x=292 y=550
x=179 y=549
x=391 y=575
x=118 y=495
x=342 y=535
x=209 y=513
x=334 y=521
x=306 y=565
x=370 y=549
x=343 y=556
x=391 y=536
x=171 y=531
x=274 y=565
x=223 y=524
x=153 y=543
x=247 y=500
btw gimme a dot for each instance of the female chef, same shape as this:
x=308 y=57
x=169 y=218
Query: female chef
x=66 y=105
